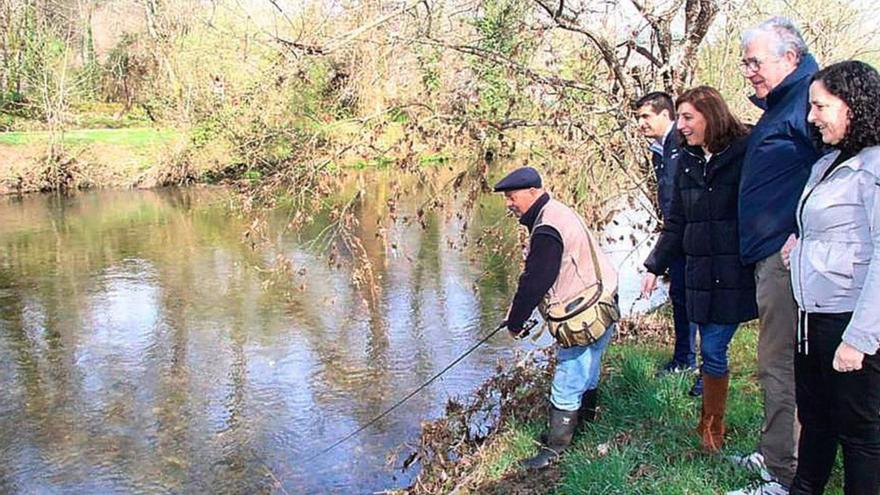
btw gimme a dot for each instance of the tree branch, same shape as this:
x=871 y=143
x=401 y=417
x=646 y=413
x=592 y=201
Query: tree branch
x=605 y=48
x=502 y=60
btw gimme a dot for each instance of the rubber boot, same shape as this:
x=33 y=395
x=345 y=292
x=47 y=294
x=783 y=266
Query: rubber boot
x=562 y=426
x=587 y=411
x=586 y=414
x=711 y=428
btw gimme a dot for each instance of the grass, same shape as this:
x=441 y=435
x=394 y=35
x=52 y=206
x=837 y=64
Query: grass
x=643 y=441
x=138 y=137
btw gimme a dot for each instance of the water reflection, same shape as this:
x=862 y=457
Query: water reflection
x=143 y=351
x=147 y=347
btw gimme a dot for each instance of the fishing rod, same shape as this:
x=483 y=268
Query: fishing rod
x=525 y=333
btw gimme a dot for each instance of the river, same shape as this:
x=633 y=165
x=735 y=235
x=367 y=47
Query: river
x=148 y=346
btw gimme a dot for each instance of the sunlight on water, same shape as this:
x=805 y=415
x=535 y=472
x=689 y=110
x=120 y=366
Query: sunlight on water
x=146 y=347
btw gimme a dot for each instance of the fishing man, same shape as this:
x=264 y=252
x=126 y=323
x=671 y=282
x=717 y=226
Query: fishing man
x=562 y=261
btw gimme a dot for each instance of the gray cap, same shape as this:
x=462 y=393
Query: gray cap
x=521 y=178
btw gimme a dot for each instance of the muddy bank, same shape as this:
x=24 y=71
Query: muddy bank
x=453 y=454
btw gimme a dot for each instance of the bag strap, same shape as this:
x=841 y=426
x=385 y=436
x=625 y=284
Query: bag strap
x=593 y=255
x=592 y=248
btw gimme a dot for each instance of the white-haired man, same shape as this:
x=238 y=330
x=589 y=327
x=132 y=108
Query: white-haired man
x=778 y=65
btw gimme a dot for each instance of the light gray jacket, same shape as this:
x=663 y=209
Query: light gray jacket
x=835 y=267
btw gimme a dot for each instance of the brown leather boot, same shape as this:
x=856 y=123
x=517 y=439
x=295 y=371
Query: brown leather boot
x=711 y=427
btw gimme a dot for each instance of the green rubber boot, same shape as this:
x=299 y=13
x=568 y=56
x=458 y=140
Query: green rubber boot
x=562 y=426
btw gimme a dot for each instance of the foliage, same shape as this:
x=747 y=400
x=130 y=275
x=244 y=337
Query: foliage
x=545 y=83
x=512 y=396
x=125 y=72
x=499 y=26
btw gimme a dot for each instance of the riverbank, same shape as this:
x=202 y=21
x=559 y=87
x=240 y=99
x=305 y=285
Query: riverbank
x=88 y=158
x=146 y=157
x=643 y=440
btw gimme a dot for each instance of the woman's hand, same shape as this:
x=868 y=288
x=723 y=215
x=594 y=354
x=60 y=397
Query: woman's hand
x=649 y=283
x=847 y=358
x=790 y=243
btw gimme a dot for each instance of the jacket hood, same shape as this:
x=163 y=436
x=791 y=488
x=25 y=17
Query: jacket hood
x=805 y=69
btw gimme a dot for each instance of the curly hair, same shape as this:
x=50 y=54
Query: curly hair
x=858 y=85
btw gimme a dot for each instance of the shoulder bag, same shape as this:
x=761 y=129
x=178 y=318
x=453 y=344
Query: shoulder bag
x=583 y=319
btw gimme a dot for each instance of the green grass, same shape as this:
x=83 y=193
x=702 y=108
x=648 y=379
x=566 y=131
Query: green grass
x=643 y=441
x=646 y=428
x=433 y=159
x=132 y=137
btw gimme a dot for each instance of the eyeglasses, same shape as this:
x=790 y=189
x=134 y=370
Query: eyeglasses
x=753 y=64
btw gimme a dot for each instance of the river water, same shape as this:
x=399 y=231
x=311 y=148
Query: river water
x=147 y=346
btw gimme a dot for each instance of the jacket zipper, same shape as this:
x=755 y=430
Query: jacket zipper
x=803 y=336
x=803 y=317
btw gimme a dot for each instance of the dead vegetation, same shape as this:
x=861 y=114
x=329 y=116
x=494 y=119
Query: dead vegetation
x=448 y=447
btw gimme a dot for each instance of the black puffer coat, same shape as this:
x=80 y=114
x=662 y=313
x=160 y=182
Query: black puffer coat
x=703 y=224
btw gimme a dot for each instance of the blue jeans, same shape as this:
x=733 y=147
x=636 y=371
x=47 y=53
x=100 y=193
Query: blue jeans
x=685 y=332
x=577 y=370
x=714 y=341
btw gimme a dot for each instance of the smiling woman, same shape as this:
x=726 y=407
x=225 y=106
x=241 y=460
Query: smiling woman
x=691 y=124
x=828 y=113
x=837 y=367
x=703 y=225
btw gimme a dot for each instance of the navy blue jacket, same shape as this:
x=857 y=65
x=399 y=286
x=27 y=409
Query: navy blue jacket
x=665 y=169
x=777 y=164
x=702 y=224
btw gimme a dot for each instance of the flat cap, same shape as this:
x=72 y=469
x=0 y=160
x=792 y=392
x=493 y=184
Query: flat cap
x=521 y=178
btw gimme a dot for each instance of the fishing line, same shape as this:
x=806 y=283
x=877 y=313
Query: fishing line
x=528 y=326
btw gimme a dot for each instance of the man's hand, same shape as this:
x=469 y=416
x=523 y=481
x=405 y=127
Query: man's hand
x=790 y=243
x=519 y=333
x=847 y=358
x=649 y=283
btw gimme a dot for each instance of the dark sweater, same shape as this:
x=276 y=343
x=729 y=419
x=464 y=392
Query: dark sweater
x=702 y=225
x=665 y=169
x=541 y=270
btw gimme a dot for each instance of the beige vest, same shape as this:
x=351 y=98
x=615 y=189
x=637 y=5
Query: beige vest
x=576 y=272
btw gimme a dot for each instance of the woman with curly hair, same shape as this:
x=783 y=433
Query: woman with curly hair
x=835 y=270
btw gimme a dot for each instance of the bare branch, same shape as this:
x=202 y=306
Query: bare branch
x=699 y=15
x=502 y=60
x=641 y=50
x=351 y=35
x=606 y=50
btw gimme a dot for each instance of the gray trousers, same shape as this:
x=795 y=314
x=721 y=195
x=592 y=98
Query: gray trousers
x=777 y=311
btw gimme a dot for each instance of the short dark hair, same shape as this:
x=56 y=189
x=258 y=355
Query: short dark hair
x=722 y=126
x=658 y=101
x=858 y=85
